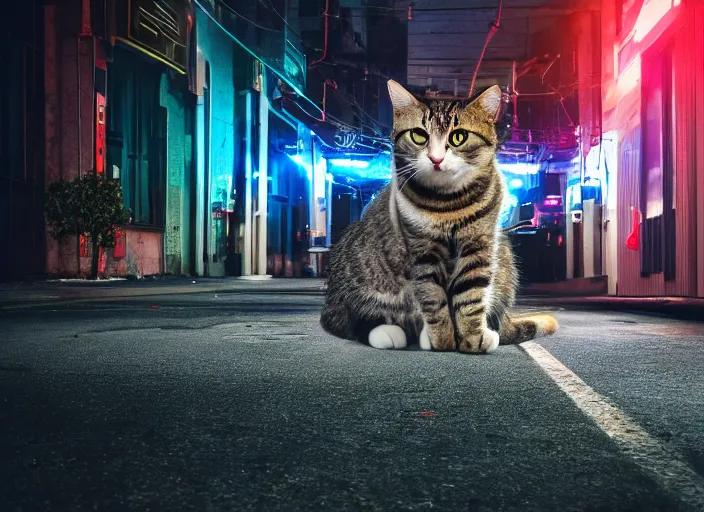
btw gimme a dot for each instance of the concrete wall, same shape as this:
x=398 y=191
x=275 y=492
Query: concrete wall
x=144 y=255
x=216 y=49
x=68 y=61
x=178 y=177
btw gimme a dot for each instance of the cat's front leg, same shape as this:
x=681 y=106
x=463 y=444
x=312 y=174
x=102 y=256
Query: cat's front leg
x=469 y=289
x=438 y=332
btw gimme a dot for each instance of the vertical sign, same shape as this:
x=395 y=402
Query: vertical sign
x=99 y=133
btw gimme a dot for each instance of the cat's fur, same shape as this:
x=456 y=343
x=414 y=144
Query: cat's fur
x=428 y=260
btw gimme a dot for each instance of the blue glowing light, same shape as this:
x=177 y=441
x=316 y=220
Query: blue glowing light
x=376 y=168
x=299 y=160
x=515 y=183
x=519 y=167
x=347 y=162
x=510 y=201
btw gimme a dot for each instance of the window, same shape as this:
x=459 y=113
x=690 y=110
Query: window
x=136 y=149
x=657 y=169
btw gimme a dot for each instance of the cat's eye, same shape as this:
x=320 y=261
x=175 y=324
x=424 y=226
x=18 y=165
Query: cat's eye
x=418 y=136
x=458 y=137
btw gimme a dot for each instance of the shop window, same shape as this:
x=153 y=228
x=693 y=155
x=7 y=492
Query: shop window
x=136 y=149
x=657 y=171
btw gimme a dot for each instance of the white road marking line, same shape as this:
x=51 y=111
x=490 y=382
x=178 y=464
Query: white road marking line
x=667 y=468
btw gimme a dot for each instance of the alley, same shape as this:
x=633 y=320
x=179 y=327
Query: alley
x=239 y=401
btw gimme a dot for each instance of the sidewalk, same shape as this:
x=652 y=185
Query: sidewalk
x=19 y=295
x=15 y=295
x=691 y=308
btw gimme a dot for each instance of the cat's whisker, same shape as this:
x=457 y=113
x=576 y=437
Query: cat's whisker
x=409 y=179
x=404 y=168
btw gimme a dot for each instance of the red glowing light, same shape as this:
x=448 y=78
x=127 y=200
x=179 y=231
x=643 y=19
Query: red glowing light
x=633 y=240
x=553 y=201
x=630 y=77
x=560 y=240
x=535 y=221
x=650 y=15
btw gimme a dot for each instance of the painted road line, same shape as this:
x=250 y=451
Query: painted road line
x=667 y=468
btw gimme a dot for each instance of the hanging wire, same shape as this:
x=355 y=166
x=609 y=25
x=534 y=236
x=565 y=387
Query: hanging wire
x=247 y=19
x=269 y=6
x=492 y=30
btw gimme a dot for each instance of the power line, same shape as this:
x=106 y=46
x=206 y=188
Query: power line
x=247 y=19
x=268 y=5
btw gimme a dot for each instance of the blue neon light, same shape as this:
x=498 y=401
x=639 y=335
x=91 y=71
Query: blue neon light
x=347 y=162
x=299 y=160
x=510 y=201
x=519 y=167
x=515 y=183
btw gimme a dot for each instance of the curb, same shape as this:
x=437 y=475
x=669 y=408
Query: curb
x=116 y=294
x=676 y=307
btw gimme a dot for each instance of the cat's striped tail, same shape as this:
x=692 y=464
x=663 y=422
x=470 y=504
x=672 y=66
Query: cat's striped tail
x=525 y=328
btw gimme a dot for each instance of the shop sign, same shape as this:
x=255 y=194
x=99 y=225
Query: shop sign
x=160 y=28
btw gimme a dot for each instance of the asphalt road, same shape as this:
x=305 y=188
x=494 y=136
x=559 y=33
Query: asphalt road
x=241 y=402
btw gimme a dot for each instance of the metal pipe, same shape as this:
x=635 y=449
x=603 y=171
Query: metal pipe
x=492 y=30
x=78 y=124
x=78 y=101
x=326 y=14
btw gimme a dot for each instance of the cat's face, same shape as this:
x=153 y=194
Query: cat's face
x=443 y=144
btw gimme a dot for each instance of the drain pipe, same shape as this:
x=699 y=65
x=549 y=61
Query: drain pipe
x=493 y=28
x=326 y=14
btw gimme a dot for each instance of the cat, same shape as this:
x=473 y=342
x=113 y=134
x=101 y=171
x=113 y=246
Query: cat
x=428 y=262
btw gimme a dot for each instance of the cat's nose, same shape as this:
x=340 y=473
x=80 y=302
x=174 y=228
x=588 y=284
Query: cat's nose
x=436 y=161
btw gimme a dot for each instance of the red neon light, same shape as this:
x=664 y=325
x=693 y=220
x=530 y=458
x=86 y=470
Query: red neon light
x=553 y=201
x=99 y=133
x=535 y=221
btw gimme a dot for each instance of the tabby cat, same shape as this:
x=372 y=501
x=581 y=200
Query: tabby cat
x=428 y=262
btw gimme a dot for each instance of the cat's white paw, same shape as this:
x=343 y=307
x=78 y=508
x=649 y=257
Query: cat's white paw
x=387 y=337
x=424 y=339
x=490 y=340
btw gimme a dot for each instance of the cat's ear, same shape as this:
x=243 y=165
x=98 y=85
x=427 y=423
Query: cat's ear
x=490 y=100
x=400 y=97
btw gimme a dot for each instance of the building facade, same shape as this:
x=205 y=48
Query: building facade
x=183 y=103
x=21 y=141
x=118 y=103
x=653 y=103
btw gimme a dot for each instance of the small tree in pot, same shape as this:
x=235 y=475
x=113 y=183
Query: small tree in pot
x=88 y=205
